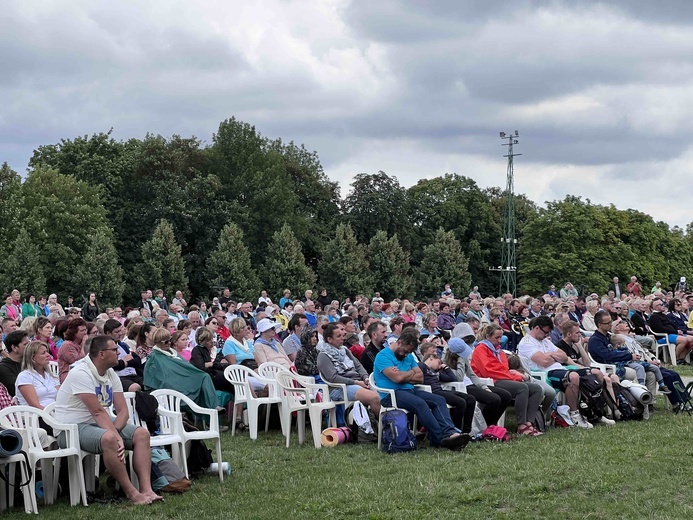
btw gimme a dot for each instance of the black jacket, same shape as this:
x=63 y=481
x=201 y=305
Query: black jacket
x=659 y=323
x=200 y=355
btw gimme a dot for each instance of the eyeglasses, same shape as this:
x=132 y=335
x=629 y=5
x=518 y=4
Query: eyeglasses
x=606 y=323
x=110 y=349
x=546 y=331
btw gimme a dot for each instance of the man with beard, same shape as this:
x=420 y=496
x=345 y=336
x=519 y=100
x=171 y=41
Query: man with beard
x=395 y=368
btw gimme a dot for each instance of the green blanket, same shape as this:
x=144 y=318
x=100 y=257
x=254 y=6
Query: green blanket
x=162 y=371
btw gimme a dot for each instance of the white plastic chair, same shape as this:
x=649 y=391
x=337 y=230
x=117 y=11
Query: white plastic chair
x=171 y=428
x=383 y=408
x=338 y=386
x=30 y=505
x=238 y=376
x=270 y=369
x=457 y=386
x=667 y=347
x=53 y=367
x=297 y=396
x=604 y=368
x=171 y=400
x=26 y=420
x=90 y=461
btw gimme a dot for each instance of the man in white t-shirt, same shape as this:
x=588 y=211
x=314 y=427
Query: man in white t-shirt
x=90 y=388
x=537 y=351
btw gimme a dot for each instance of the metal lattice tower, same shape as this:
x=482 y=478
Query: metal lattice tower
x=508 y=267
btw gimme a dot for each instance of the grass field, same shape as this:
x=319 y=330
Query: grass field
x=631 y=470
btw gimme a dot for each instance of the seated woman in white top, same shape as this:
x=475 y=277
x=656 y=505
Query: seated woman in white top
x=35 y=385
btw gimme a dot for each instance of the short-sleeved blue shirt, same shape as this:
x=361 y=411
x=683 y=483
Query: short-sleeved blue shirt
x=385 y=359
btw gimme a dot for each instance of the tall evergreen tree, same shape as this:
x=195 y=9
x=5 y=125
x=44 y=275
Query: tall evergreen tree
x=11 y=205
x=162 y=265
x=100 y=272
x=443 y=262
x=389 y=266
x=230 y=266
x=21 y=268
x=343 y=269
x=285 y=267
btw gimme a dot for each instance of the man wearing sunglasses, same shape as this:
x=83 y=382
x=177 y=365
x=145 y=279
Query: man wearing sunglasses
x=89 y=390
x=537 y=351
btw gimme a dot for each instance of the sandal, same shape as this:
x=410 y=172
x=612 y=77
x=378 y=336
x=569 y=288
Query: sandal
x=528 y=429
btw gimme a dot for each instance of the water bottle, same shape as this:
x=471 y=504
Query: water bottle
x=213 y=469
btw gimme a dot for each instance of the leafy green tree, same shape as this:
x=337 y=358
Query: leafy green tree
x=344 y=268
x=143 y=181
x=10 y=204
x=60 y=214
x=443 y=262
x=255 y=181
x=575 y=240
x=21 y=268
x=162 y=265
x=377 y=202
x=285 y=266
x=318 y=199
x=230 y=265
x=99 y=271
x=389 y=266
x=455 y=203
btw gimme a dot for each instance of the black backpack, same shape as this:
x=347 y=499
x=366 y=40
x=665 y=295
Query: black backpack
x=592 y=397
x=630 y=408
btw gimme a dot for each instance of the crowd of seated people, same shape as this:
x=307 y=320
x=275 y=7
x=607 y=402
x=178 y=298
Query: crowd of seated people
x=403 y=343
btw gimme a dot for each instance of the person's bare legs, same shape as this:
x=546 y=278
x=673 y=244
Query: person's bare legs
x=369 y=398
x=142 y=461
x=115 y=465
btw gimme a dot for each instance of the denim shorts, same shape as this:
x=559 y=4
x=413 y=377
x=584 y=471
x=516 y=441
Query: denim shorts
x=336 y=393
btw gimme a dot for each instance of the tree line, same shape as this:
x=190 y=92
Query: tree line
x=114 y=217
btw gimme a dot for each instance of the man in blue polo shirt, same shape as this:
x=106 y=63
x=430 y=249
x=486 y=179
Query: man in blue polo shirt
x=395 y=368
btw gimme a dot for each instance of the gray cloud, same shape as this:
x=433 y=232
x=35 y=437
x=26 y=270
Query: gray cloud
x=597 y=89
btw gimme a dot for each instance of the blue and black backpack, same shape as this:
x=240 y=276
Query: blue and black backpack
x=397 y=436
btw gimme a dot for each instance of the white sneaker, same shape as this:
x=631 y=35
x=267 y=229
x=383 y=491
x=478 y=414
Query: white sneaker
x=606 y=420
x=579 y=420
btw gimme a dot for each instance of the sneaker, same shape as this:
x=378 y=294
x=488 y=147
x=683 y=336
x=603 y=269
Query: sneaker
x=663 y=388
x=606 y=420
x=455 y=443
x=579 y=420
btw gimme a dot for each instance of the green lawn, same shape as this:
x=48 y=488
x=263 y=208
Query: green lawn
x=631 y=470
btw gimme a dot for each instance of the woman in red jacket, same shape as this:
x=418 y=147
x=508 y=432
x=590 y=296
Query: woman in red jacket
x=489 y=360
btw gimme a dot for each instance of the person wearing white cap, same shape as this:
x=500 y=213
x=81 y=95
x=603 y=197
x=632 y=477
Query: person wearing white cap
x=681 y=286
x=267 y=348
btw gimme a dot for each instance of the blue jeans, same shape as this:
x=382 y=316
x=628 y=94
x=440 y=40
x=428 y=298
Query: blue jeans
x=431 y=410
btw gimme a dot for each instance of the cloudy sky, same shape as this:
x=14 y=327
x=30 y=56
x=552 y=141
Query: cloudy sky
x=601 y=93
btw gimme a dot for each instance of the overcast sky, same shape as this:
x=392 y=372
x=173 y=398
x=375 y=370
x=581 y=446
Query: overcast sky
x=600 y=92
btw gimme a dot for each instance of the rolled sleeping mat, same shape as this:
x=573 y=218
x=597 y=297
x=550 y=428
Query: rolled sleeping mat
x=641 y=394
x=332 y=436
x=10 y=443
